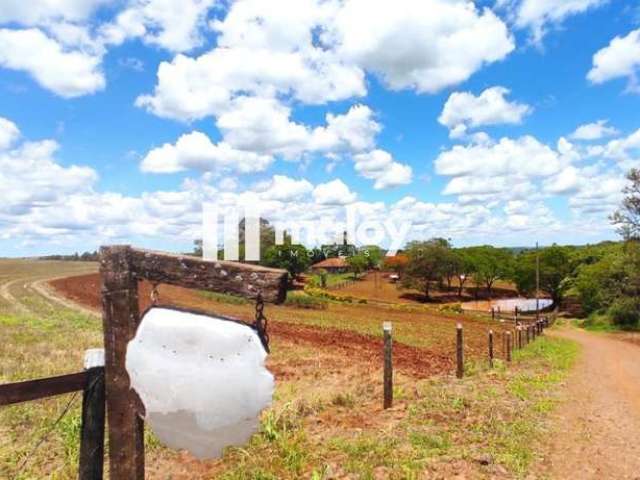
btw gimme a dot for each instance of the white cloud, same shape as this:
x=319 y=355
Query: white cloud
x=39 y=12
x=464 y=111
x=624 y=149
x=174 y=25
x=285 y=189
x=335 y=192
x=426 y=45
x=379 y=165
x=524 y=157
x=316 y=52
x=598 y=193
x=9 y=133
x=594 y=131
x=30 y=177
x=68 y=73
x=537 y=15
x=565 y=181
x=621 y=58
x=196 y=151
x=264 y=125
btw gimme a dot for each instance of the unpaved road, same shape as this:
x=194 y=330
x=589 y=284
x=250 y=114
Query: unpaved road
x=597 y=433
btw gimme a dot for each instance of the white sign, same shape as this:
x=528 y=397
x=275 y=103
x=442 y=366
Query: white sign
x=202 y=379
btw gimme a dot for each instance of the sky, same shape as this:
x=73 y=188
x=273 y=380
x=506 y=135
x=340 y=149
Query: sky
x=496 y=122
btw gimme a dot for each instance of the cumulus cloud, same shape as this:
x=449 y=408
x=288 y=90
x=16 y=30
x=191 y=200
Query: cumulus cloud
x=625 y=149
x=426 y=45
x=30 y=177
x=620 y=59
x=268 y=49
x=9 y=132
x=335 y=192
x=464 y=111
x=285 y=189
x=173 y=25
x=39 y=12
x=196 y=151
x=594 y=131
x=66 y=41
x=538 y=15
x=68 y=73
x=379 y=165
x=525 y=156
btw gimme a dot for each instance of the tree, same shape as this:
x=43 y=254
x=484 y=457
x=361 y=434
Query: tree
x=627 y=217
x=373 y=254
x=491 y=264
x=466 y=267
x=396 y=263
x=293 y=258
x=426 y=264
x=555 y=267
x=358 y=264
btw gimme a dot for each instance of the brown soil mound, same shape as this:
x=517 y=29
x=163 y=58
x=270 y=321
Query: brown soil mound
x=85 y=290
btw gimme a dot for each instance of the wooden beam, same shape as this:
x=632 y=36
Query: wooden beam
x=186 y=271
x=120 y=317
x=41 y=388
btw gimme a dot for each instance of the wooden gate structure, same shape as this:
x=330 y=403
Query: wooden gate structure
x=121 y=268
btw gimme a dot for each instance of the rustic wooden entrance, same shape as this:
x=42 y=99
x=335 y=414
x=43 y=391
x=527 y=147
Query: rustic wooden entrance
x=121 y=268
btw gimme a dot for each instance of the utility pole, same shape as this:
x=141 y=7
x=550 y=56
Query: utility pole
x=537 y=283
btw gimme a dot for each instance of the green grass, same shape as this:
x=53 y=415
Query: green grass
x=496 y=414
x=332 y=279
x=302 y=300
x=224 y=298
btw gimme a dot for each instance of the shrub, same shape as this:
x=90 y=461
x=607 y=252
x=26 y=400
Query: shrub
x=306 y=301
x=625 y=312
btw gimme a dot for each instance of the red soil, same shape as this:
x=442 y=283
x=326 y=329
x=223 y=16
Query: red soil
x=417 y=362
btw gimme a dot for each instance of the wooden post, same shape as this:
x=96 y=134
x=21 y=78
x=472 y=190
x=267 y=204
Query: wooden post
x=120 y=314
x=388 y=365
x=459 y=352
x=490 y=348
x=529 y=334
x=508 y=346
x=92 y=432
x=493 y=314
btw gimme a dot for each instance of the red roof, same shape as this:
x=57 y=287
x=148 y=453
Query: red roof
x=336 y=262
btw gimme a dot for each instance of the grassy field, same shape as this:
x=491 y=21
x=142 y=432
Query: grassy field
x=327 y=420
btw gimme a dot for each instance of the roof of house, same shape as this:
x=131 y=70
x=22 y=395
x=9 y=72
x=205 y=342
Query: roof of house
x=336 y=262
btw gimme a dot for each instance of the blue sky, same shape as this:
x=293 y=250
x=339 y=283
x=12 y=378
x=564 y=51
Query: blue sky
x=497 y=122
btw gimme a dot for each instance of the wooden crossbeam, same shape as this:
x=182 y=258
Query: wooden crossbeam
x=28 y=390
x=186 y=271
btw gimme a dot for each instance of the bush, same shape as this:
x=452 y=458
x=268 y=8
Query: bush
x=306 y=301
x=625 y=312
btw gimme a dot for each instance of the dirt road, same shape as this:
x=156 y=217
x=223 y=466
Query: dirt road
x=597 y=428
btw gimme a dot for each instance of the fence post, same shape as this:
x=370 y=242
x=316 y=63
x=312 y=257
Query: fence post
x=459 y=352
x=490 y=348
x=388 y=365
x=493 y=314
x=508 y=346
x=91 y=461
